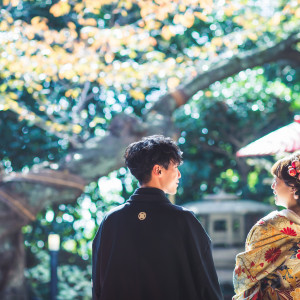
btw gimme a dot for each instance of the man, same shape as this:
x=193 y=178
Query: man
x=148 y=248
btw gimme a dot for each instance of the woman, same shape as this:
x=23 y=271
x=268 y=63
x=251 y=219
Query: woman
x=270 y=266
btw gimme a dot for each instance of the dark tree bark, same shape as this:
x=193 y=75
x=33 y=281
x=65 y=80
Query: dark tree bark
x=22 y=196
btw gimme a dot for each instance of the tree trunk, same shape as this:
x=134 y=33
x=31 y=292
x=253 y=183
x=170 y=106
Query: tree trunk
x=12 y=283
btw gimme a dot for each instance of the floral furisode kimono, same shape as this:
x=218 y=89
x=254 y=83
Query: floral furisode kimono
x=270 y=266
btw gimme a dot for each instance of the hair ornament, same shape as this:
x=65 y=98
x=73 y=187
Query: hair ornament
x=294 y=169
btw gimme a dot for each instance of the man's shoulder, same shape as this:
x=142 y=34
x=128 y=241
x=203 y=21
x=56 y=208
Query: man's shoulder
x=115 y=210
x=190 y=224
x=182 y=211
x=187 y=215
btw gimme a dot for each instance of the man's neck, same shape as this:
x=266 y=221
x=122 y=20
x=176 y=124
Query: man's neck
x=152 y=184
x=147 y=185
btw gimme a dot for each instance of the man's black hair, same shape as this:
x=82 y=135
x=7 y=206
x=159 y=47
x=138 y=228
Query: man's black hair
x=142 y=156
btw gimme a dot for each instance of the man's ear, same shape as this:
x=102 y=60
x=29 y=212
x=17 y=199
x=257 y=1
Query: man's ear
x=156 y=170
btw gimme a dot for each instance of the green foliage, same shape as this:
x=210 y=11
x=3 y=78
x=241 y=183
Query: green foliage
x=217 y=122
x=252 y=180
x=74 y=282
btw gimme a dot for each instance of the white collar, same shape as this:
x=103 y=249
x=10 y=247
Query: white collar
x=290 y=215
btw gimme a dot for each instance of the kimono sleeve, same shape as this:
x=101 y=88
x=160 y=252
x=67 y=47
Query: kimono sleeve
x=262 y=256
x=256 y=237
x=245 y=281
x=204 y=268
x=96 y=261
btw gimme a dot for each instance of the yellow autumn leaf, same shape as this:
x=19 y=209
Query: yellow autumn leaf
x=229 y=44
x=43 y=26
x=182 y=8
x=90 y=22
x=239 y=20
x=137 y=95
x=217 y=41
x=149 y=24
x=67 y=74
x=141 y=23
x=3 y=87
x=124 y=13
x=252 y=36
x=35 y=20
x=146 y=10
x=152 y=41
x=5 y=107
x=57 y=127
x=30 y=90
x=188 y=19
x=73 y=34
x=206 y=3
x=68 y=93
x=38 y=87
x=4 y=26
x=14 y=3
x=275 y=21
x=76 y=129
x=200 y=16
x=75 y=93
x=9 y=20
x=109 y=57
x=179 y=59
x=173 y=82
x=99 y=120
x=128 y=4
x=177 y=19
x=132 y=54
x=166 y=33
x=161 y=15
x=71 y=25
x=13 y=95
x=101 y=81
x=79 y=7
x=286 y=9
x=59 y=9
x=229 y=10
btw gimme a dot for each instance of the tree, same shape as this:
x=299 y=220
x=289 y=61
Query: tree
x=88 y=75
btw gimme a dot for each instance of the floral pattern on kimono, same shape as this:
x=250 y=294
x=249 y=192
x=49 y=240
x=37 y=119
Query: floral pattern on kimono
x=270 y=266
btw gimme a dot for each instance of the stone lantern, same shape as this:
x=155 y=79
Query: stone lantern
x=227 y=220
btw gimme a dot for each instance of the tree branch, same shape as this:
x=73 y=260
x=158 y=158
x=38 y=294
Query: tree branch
x=82 y=101
x=223 y=69
x=293 y=55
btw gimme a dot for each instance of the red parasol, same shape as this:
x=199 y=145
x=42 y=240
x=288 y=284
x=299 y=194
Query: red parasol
x=284 y=139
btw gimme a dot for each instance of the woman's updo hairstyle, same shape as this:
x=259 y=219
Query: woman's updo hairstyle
x=288 y=169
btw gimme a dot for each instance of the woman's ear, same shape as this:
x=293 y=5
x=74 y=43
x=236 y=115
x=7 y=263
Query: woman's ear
x=294 y=190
